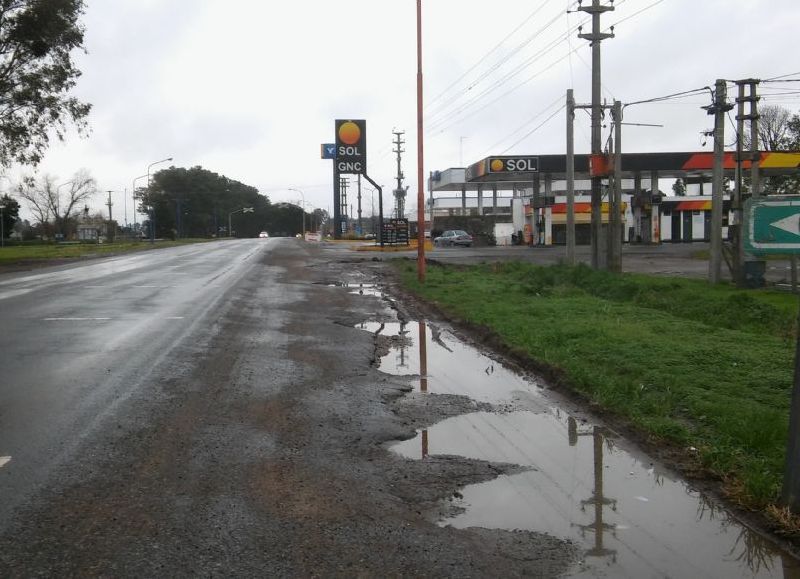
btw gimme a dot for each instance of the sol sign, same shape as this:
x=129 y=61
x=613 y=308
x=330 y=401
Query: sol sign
x=351 y=147
x=514 y=165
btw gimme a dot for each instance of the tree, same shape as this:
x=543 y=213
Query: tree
x=778 y=130
x=52 y=207
x=679 y=187
x=10 y=214
x=37 y=38
x=196 y=202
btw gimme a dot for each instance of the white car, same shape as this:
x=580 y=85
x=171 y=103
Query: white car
x=263 y=235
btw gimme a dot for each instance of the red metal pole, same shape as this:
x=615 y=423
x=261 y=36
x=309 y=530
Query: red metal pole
x=420 y=176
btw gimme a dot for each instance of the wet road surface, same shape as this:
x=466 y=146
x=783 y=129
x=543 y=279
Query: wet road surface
x=262 y=408
x=78 y=340
x=213 y=411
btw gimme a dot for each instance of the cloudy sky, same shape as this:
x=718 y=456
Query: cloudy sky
x=251 y=88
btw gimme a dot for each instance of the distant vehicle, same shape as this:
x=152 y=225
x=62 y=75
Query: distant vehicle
x=453 y=237
x=263 y=235
x=369 y=236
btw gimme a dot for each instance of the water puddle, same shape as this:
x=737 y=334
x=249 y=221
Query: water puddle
x=631 y=517
x=365 y=289
x=446 y=365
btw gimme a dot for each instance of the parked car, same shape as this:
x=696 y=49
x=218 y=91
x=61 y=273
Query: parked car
x=453 y=237
x=263 y=235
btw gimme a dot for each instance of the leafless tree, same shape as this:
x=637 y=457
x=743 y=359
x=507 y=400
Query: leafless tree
x=773 y=129
x=57 y=204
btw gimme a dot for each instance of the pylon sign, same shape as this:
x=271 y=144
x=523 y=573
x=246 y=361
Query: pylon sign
x=351 y=147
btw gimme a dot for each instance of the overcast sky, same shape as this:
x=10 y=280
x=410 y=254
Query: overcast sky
x=250 y=89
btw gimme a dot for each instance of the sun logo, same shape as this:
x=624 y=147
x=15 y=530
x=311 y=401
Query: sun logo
x=349 y=133
x=497 y=165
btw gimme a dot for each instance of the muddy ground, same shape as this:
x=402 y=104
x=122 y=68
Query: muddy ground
x=259 y=450
x=683 y=461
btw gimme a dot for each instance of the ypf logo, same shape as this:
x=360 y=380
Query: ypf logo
x=351 y=146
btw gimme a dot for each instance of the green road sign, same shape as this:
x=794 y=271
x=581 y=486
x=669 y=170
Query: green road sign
x=772 y=224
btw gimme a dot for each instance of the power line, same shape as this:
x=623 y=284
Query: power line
x=487 y=54
x=543 y=52
x=656 y=3
x=496 y=67
x=525 y=124
x=539 y=126
x=441 y=128
x=672 y=96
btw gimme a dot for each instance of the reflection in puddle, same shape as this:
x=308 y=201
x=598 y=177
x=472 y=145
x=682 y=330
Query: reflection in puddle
x=446 y=365
x=366 y=289
x=632 y=519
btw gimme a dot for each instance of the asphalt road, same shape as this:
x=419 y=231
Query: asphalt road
x=78 y=340
x=214 y=410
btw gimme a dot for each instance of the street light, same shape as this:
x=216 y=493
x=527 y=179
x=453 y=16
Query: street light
x=133 y=195
x=303 y=208
x=242 y=210
x=155 y=163
x=152 y=209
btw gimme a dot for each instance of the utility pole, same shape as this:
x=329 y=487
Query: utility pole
x=595 y=38
x=400 y=191
x=615 y=205
x=718 y=109
x=570 y=177
x=755 y=157
x=109 y=204
x=343 y=185
x=360 y=232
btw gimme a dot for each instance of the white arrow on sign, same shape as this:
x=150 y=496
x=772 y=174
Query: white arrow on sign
x=789 y=224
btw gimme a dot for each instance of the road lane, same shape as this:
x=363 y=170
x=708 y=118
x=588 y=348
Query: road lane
x=76 y=342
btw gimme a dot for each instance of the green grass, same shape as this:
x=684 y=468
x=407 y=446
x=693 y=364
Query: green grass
x=42 y=252
x=689 y=363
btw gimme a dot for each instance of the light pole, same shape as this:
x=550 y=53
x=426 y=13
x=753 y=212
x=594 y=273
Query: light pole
x=242 y=210
x=152 y=208
x=133 y=195
x=155 y=163
x=303 y=209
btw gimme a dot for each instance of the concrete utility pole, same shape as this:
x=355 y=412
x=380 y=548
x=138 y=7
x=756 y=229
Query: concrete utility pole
x=755 y=157
x=570 y=177
x=399 y=191
x=595 y=38
x=109 y=204
x=718 y=109
x=737 y=234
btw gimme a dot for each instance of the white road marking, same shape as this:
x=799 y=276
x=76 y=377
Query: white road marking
x=76 y=319
x=4 y=460
x=152 y=286
x=174 y=317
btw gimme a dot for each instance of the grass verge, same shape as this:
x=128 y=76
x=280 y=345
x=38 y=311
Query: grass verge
x=32 y=253
x=686 y=363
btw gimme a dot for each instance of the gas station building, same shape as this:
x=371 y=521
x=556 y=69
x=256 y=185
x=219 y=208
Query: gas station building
x=527 y=193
